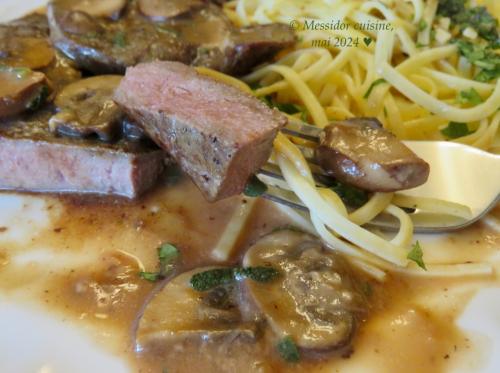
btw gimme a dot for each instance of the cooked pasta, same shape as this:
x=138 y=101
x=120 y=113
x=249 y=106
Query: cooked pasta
x=422 y=76
x=411 y=89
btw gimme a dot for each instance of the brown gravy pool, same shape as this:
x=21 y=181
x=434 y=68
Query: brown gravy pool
x=411 y=326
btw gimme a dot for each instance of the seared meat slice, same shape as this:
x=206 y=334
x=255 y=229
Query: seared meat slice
x=193 y=32
x=34 y=160
x=218 y=134
x=361 y=153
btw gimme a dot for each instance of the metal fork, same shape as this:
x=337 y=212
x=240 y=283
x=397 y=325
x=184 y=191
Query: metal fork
x=458 y=173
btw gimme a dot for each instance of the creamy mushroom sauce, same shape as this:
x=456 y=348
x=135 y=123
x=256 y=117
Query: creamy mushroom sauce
x=88 y=281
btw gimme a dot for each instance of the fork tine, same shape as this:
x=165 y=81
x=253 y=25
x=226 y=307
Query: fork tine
x=308 y=153
x=300 y=129
x=280 y=196
x=273 y=171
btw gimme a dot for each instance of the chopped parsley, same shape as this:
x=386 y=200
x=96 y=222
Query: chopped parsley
x=255 y=187
x=487 y=75
x=454 y=130
x=351 y=195
x=482 y=56
x=213 y=278
x=258 y=274
x=167 y=256
x=422 y=25
x=204 y=281
x=471 y=97
x=372 y=86
x=450 y=8
x=481 y=52
x=288 y=350
x=464 y=16
x=417 y=255
x=120 y=39
x=287 y=107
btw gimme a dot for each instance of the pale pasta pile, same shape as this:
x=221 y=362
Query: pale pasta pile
x=418 y=96
x=414 y=97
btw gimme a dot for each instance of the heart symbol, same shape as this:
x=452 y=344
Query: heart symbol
x=367 y=41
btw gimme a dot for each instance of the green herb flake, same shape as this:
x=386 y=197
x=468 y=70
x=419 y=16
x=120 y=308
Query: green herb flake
x=286 y=107
x=267 y=100
x=289 y=108
x=482 y=56
x=255 y=86
x=488 y=75
x=258 y=274
x=372 y=86
x=469 y=97
x=480 y=20
x=450 y=8
x=210 y=279
x=422 y=25
x=476 y=17
x=417 y=255
x=149 y=276
x=204 y=281
x=167 y=256
x=288 y=350
x=120 y=39
x=454 y=130
x=255 y=187
x=351 y=195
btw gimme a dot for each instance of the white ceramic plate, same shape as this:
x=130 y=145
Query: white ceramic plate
x=32 y=340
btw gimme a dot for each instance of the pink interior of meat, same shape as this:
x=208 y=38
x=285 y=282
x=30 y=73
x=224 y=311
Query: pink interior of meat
x=207 y=104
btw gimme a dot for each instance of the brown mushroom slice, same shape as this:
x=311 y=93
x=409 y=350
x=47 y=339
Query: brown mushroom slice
x=178 y=312
x=159 y=10
x=21 y=90
x=30 y=52
x=361 y=153
x=81 y=23
x=315 y=301
x=101 y=8
x=86 y=108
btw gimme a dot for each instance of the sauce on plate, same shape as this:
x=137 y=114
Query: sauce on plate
x=88 y=274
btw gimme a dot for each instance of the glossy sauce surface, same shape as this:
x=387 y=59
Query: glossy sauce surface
x=76 y=266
